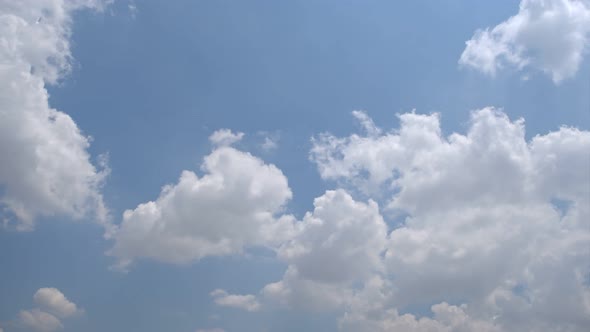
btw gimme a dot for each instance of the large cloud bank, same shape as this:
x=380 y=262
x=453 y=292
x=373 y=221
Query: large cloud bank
x=486 y=230
x=46 y=169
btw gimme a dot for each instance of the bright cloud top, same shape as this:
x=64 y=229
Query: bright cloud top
x=46 y=168
x=550 y=35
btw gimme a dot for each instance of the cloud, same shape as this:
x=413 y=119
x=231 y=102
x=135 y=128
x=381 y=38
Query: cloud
x=269 y=144
x=225 y=137
x=54 y=301
x=270 y=140
x=550 y=35
x=46 y=168
x=232 y=206
x=39 y=320
x=337 y=245
x=478 y=224
x=446 y=318
x=244 y=302
x=53 y=304
x=341 y=240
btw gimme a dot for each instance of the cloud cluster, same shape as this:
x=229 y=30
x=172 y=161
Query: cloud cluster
x=487 y=229
x=550 y=35
x=46 y=168
x=482 y=228
x=53 y=306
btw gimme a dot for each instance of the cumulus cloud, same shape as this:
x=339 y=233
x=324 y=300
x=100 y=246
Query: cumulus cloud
x=341 y=240
x=244 y=302
x=54 y=301
x=481 y=227
x=53 y=304
x=46 y=168
x=550 y=35
x=225 y=137
x=232 y=206
x=337 y=245
x=39 y=320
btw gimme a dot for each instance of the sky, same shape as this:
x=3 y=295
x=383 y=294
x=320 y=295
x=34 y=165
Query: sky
x=355 y=166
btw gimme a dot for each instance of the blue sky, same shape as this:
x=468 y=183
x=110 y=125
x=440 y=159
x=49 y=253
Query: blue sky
x=151 y=81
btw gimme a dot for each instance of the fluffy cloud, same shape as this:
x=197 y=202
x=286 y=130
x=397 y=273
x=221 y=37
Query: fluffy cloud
x=225 y=137
x=46 y=169
x=54 y=301
x=39 y=320
x=551 y=35
x=53 y=304
x=232 y=206
x=245 y=302
x=337 y=245
x=481 y=226
x=341 y=240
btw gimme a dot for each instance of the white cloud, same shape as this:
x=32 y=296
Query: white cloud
x=446 y=318
x=341 y=240
x=54 y=301
x=53 y=304
x=269 y=144
x=39 y=320
x=481 y=227
x=551 y=35
x=46 y=169
x=337 y=245
x=244 y=302
x=232 y=206
x=225 y=137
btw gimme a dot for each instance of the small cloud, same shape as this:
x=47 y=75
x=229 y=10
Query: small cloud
x=39 y=320
x=245 y=302
x=269 y=144
x=132 y=9
x=271 y=140
x=54 y=301
x=225 y=137
x=53 y=305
